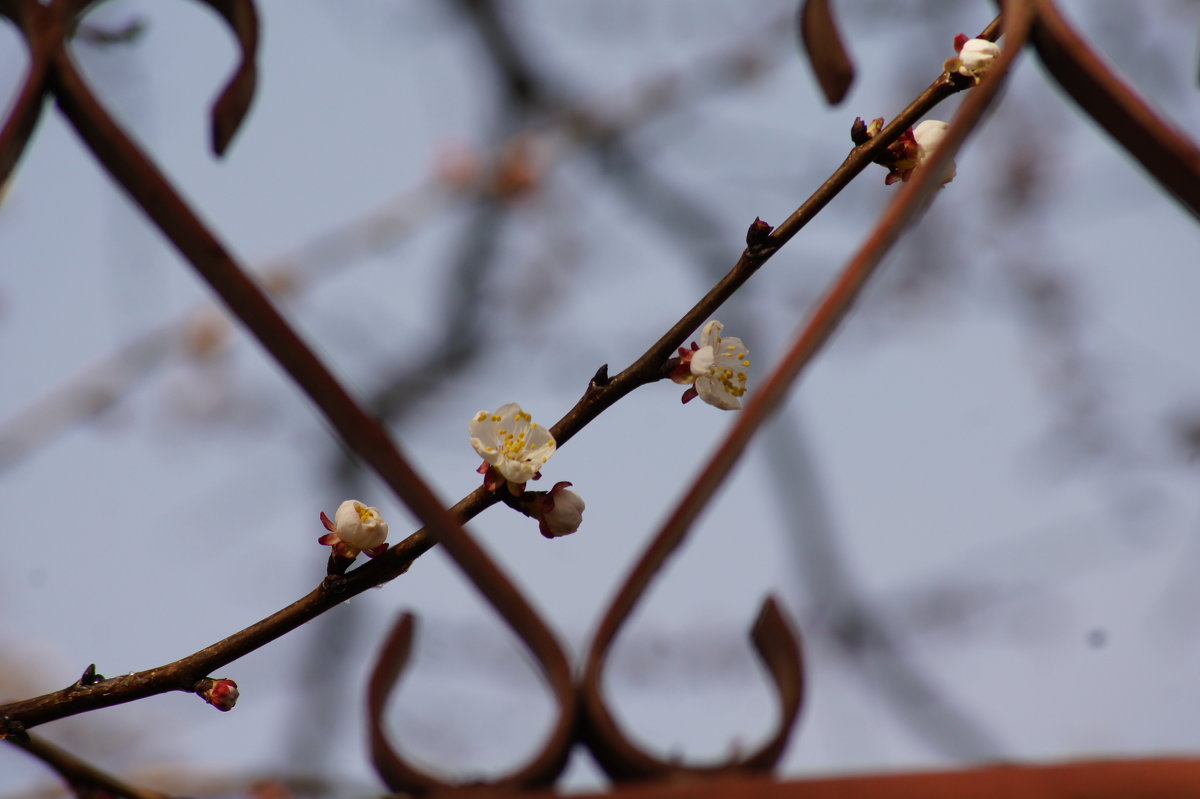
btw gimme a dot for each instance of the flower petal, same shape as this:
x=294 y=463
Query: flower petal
x=702 y=361
x=710 y=335
x=976 y=56
x=715 y=393
x=929 y=135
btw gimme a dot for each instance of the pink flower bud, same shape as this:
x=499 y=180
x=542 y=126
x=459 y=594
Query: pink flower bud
x=562 y=511
x=221 y=694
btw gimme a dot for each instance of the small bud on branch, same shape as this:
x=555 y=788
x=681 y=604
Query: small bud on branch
x=221 y=694
x=758 y=233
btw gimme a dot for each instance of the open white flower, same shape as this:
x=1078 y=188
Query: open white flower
x=509 y=442
x=355 y=528
x=975 y=57
x=929 y=135
x=719 y=368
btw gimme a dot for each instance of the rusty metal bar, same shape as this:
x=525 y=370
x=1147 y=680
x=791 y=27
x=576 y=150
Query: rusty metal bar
x=41 y=31
x=146 y=184
x=1170 y=157
x=1128 y=779
x=778 y=649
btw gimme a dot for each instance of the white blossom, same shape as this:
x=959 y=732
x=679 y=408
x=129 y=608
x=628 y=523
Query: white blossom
x=719 y=368
x=359 y=525
x=355 y=527
x=929 y=135
x=976 y=57
x=509 y=442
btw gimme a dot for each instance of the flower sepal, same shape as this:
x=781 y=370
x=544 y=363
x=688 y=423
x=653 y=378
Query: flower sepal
x=679 y=370
x=493 y=480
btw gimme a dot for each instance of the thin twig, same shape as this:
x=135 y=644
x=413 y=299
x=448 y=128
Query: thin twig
x=81 y=776
x=836 y=303
x=829 y=312
x=647 y=368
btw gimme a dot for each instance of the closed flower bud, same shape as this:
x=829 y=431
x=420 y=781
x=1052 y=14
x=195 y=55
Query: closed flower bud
x=759 y=233
x=355 y=528
x=562 y=511
x=929 y=135
x=858 y=132
x=975 y=57
x=221 y=694
x=360 y=526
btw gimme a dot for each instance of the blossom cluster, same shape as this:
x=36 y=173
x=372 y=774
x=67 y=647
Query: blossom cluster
x=514 y=450
x=912 y=148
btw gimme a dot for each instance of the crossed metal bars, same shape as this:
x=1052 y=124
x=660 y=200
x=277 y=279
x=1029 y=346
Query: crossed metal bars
x=582 y=711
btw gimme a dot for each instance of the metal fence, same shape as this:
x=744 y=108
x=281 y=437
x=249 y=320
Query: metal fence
x=582 y=716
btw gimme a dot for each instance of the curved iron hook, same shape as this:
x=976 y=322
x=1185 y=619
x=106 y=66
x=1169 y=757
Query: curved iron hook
x=40 y=28
x=233 y=103
x=126 y=162
x=46 y=30
x=401 y=775
x=778 y=648
x=230 y=108
x=826 y=50
x=1166 y=153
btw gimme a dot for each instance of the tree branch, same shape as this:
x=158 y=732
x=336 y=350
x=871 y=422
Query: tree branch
x=82 y=777
x=369 y=441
